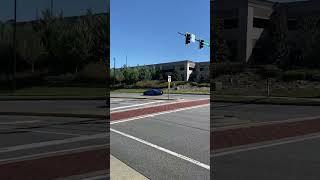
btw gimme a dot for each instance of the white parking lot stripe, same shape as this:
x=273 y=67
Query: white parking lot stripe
x=163 y=149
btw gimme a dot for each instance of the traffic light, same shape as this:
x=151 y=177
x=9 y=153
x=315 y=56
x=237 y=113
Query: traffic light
x=201 y=44
x=188 y=38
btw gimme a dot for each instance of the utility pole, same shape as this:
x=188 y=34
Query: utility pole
x=114 y=71
x=14 y=46
x=126 y=61
x=51 y=8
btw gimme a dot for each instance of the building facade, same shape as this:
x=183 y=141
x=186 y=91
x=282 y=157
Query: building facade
x=244 y=21
x=188 y=70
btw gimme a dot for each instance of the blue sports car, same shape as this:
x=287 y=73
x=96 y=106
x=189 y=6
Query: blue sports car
x=153 y=92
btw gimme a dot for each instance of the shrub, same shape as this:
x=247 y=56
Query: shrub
x=228 y=68
x=294 y=75
x=312 y=75
x=151 y=84
x=269 y=71
x=93 y=72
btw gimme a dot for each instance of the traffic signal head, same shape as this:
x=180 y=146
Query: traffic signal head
x=201 y=44
x=188 y=38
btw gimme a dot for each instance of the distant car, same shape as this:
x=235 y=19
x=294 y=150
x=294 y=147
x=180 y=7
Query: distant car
x=153 y=92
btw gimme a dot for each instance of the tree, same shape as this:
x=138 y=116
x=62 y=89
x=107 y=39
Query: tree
x=119 y=77
x=176 y=76
x=144 y=73
x=308 y=40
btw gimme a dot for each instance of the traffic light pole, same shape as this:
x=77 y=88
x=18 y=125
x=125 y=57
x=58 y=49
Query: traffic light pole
x=198 y=40
x=14 y=46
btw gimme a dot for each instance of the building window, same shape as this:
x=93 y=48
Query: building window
x=168 y=70
x=260 y=23
x=292 y=24
x=230 y=23
x=254 y=41
x=201 y=69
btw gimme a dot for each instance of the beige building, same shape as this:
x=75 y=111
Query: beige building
x=245 y=20
x=185 y=69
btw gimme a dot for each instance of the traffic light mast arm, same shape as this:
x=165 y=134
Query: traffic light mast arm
x=198 y=40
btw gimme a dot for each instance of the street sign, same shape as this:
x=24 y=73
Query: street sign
x=193 y=38
x=169 y=78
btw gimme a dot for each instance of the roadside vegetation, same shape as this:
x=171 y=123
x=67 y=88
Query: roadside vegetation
x=138 y=79
x=55 y=51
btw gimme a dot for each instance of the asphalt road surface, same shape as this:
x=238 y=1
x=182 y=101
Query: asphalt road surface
x=55 y=146
x=297 y=158
x=167 y=146
x=224 y=114
x=282 y=159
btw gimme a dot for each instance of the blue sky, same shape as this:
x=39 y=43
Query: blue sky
x=26 y=9
x=147 y=30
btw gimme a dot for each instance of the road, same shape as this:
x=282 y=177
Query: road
x=296 y=158
x=56 y=146
x=224 y=114
x=284 y=152
x=168 y=145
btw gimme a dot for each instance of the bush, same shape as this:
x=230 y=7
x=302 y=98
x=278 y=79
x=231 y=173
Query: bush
x=228 y=68
x=313 y=75
x=294 y=75
x=151 y=84
x=93 y=72
x=269 y=71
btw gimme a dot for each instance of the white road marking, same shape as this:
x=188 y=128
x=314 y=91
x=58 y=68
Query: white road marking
x=115 y=100
x=163 y=149
x=162 y=104
x=148 y=106
x=53 y=142
x=254 y=124
x=156 y=114
x=59 y=133
x=134 y=105
x=49 y=154
x=18 y=122
x=282 y=142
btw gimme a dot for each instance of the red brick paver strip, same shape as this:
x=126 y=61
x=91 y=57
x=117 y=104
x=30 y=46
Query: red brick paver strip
x=156 y=109
x=266 y=132
x=57 y=166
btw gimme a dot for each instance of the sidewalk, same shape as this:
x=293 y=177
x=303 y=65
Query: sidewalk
x=120 y=171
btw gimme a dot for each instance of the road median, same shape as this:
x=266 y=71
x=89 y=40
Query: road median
x=262 y=132
x=157 y=109
x=266 y=100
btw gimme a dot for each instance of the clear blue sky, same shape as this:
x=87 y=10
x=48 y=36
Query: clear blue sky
x=147 y=30
x=26 y=9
